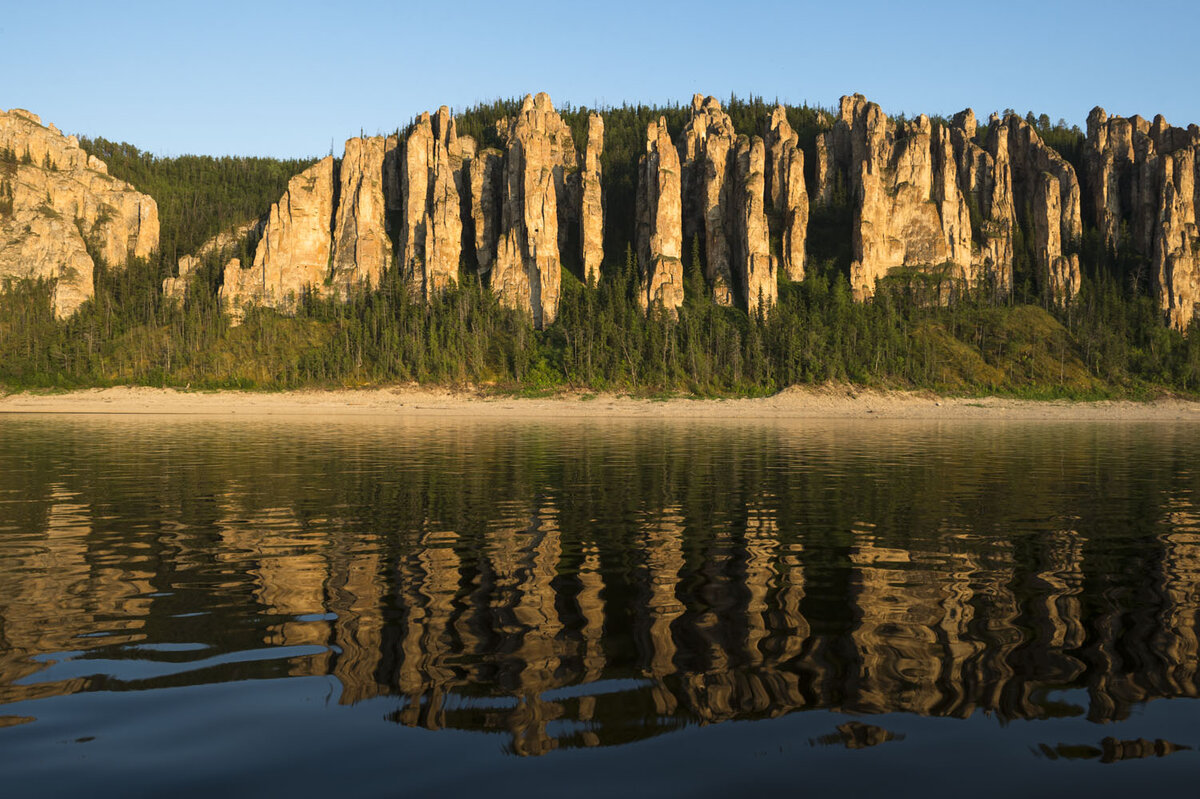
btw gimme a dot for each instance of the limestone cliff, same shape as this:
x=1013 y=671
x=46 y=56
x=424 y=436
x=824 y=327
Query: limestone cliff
x=539 y=172
x=902 y=176
x=1142 y=191
x=706 y=152
x=58 y=206
x=431 y=239
x=785 y=185
x=362 y=249
x=753 y=245
x=659 y=221
x=296 y=248
x=591 y=212
x=914 y=186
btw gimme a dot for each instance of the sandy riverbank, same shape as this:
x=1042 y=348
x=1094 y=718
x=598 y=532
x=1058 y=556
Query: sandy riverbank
x=829 y=402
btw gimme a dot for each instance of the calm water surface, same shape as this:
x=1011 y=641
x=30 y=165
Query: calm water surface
x=199 y=606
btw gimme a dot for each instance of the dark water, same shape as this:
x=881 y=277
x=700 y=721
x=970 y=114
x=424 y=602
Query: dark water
x=190 y=607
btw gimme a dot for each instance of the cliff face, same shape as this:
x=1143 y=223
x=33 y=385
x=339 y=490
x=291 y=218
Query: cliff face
x=788 y=195
x=362 y=249
x=902 y=177
x=914 y=184
x=591 y=210
x=296 y=249
x=536 y=196
x=659 y=221
x=1142 y=187
x=511 y=207
x=56 y=201
x=724 y=182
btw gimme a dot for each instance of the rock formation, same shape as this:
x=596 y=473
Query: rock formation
x=296 y=249
x=362 y=249
x=1043 y=181
x=537 y=179
x=659 y=221
x=507 y=206
x=591 y=211
x=218 y=247
x=785 y=185
x=58 y=205
x=706 y=151
x=485 y=174
x=908 y=211
x=431 y=239
x=1142 y=183
x=753 y=243
x=913 y=187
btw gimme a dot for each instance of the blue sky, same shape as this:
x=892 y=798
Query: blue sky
x=284 y=79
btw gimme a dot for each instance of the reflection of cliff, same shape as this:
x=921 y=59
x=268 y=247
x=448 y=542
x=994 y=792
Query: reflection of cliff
x=568 y=588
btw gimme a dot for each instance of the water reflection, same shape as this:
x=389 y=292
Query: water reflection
x=590 y=584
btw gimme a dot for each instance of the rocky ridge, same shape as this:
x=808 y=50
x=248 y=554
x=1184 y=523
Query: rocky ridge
x=508 y=207
x=60 y=210
x=1144 y=192
x=913 y=185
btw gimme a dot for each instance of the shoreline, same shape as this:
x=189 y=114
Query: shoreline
x=821 y=402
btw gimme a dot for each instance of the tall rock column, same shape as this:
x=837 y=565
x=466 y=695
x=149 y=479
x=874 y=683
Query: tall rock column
x=485 y=176
x=1177 y=239
x=540 y=156
x=361 y=247
x=659 y=221
x=1046 y=183
x=591 y=212
x=757 y=268
x=789 y=197
x=707 y=150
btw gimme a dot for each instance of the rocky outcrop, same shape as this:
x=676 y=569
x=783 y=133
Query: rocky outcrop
x=218 y=248
x=296 y=249
x=362 y=249
x=932 y=197
x=788 y=195
x=1176 y=252
x=908 y=211
x=753 y=243
x=659 y=221
x=706 y=152
x=591 y=211
x=431 y=239
x=59 y=207
x=1143 y=198
x=539 y=172
x=1044 y=182
x=485 y=173
x=331 y=230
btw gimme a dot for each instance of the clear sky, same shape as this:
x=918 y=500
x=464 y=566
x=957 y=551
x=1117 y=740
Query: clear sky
x=284 y=79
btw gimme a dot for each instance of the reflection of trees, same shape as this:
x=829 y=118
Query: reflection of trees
x=585 y=585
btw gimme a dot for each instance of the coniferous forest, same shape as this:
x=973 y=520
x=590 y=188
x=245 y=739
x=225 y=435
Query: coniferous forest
x=1111 y=340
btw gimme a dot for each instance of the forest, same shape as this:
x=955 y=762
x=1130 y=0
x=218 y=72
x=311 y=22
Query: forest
x=1110 y=341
